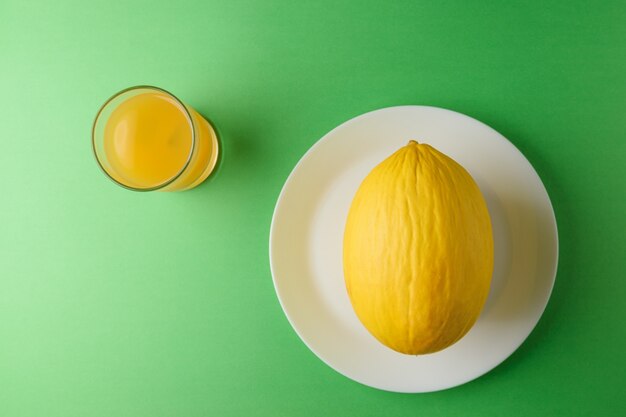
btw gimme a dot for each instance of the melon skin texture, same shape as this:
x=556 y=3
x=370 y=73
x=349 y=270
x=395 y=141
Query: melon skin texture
x=418 y=251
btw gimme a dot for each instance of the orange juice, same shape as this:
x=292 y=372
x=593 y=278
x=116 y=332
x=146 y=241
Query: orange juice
x=146 y=139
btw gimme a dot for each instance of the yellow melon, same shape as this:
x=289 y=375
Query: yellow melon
x=418 y=251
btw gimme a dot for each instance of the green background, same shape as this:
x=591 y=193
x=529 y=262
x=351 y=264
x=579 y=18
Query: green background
x=114 y=303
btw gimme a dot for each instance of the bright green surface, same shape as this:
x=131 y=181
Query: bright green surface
x=115 y=303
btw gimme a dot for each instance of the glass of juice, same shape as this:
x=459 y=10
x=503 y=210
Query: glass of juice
x=146 y=139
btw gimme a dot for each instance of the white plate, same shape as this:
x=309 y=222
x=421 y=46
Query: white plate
x=306 y=247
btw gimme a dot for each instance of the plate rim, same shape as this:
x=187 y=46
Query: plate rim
x=324 y=139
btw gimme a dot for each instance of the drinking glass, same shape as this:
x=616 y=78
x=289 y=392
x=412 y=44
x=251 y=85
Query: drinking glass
x=146 y=139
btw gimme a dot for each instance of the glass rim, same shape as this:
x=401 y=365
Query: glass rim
x=191 y=149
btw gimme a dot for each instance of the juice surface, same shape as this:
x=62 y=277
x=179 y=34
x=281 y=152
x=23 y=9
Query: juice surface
x=147 y=140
